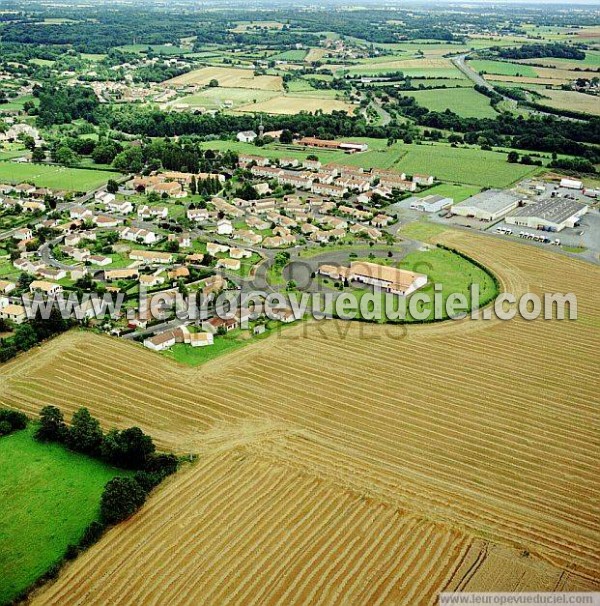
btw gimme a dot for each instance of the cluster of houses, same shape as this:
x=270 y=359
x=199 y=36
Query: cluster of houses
x=333 y=180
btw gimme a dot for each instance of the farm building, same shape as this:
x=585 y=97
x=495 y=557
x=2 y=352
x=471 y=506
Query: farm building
x=161 y=341
x=246 y=136
x=487 y=205
x=571 y=184
x=390 y=279
x=431 y=204
x=550 y=215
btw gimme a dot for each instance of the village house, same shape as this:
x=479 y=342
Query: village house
x=24 y=188
x=224 y=227
x=50 y=289
x=381 y=220
x=326 y=189
x=148 y=281
x=399 y=184
x=106 y=222
x=215 y=325
x=246 y=136
x=248 y=237
x=23 y=234
x=112 y=275
x=80 y=213
x=99 y=260
x=229 y=264
x=178 y=273
x=228 y=209
x=257 y=223
x=335 y=222
x=79 y=254
x=14 y=313
x=146 y=212
x=172 y=189
x=32 y=206
x=6 y=286
x=134 y=234
x=311 y=164
x=161 y=341
x=184 y=240
x=123 y=207
x=197 y=214
x=422 y=180
x=240 y=253
x=268 y=172
x=214 y=248
x=245 y=160
x=152 y=256
x=104 y=197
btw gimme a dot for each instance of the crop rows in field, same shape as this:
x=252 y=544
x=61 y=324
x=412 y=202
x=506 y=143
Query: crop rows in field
x=479 y=429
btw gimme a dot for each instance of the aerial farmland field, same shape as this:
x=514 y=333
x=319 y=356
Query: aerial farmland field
x=463 y=165
x=381 y=486
x=228 y=77
x=36 y=481
x=465 y=102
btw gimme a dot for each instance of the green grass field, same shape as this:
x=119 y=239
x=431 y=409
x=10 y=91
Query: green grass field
x=17 y=103
x=466 y=102
x=469 y=166
x=503 y=69
x=55 y=177
x=290 y=55
x=49 y=495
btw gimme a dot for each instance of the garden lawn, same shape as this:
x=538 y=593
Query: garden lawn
x=55 y=177
x=49 y=495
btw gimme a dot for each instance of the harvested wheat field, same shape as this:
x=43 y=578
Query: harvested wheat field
x=571 y=100
x=227 y=77
x=346 y=463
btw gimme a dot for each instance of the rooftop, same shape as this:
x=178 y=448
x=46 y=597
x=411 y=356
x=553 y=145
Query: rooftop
x=491 y=200
x=555 y=210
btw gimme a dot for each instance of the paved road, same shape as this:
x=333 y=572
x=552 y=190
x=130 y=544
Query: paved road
x=461 y=63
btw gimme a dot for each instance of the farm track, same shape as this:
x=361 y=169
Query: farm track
x=319 y=481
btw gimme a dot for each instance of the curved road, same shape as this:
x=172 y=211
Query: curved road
x=460 y=62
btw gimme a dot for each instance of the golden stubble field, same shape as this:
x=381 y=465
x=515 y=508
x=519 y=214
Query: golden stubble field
x=346 y=463
x=227 y=77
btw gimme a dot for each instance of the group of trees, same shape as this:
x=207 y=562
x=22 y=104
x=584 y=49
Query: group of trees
x=129 y=449
x=535 y=133
x=558 y=50
x=11 y=420
x=62 y=104
x=31 y=333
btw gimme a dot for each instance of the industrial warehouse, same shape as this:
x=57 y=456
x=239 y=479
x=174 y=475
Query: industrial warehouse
x=488 y=205
x=553 y=214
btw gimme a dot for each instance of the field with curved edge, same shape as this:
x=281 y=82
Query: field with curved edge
x=352 y=463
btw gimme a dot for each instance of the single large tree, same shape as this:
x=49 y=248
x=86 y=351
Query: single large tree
x=85 y=433
x=52 y=425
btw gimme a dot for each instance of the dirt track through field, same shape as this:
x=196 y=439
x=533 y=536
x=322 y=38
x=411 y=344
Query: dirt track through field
x=352 y=463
